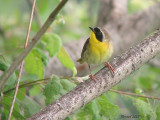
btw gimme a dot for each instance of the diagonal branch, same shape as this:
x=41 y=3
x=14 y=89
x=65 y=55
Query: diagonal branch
x=30 y=46
x=124 y=65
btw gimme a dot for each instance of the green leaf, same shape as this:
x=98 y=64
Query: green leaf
x=66 y=60
x=6 y=102
x=30 y=107
x=53 y=43
x=52 y=91
x=29 y=77
x=108 y=109
x=33 y=64
x=3 y=114
x=145 y=109
x=21 y=93
x=139 y=91
x=67 y=118
x=67 y=85
x=85 y=113
x=10 y=82
x=43 y=56
x=96 y=110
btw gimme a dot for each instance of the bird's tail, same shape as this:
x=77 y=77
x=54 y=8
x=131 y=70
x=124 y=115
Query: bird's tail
x=80 y=60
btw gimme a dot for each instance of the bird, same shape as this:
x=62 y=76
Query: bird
x=97 y=49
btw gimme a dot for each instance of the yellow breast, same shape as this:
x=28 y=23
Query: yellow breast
x=98 y=51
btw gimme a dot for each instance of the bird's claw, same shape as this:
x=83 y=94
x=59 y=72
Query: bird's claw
x=110 y=67
x=93 y=77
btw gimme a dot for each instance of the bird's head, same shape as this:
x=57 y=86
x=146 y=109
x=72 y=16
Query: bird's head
x=99 y=33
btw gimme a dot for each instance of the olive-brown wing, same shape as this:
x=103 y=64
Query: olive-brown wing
x=85 y=47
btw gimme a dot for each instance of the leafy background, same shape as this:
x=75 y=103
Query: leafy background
x=36 y=91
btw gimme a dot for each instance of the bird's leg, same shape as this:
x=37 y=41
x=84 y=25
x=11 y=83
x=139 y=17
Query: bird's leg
x=110 y=67
x=91 y=75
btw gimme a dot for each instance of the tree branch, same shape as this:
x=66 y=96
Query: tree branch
x=133 y=94
x=30 y=46
x=85 y=92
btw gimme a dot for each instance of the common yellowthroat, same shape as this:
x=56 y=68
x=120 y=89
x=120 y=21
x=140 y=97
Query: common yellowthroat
x=97 y=49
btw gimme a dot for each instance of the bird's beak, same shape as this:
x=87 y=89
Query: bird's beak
x=91 y=29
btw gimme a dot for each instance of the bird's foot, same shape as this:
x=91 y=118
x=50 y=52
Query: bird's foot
x=110 y=67
x=93 y=77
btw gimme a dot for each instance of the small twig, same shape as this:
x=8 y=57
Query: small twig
x=21 y=92
x=21 y=66
x=30 y=2
x=33 y=42
x=27 y=84
x=76 y=79
x=35 y=82
x=8 y=96
x=133 y=94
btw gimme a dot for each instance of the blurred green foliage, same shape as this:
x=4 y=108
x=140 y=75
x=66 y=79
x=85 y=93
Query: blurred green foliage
x=53 y=43
x=34 y=61
x=137 y=5
x=72 y=23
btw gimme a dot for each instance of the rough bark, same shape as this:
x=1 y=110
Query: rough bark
x=124 y=65
x=125 y=32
